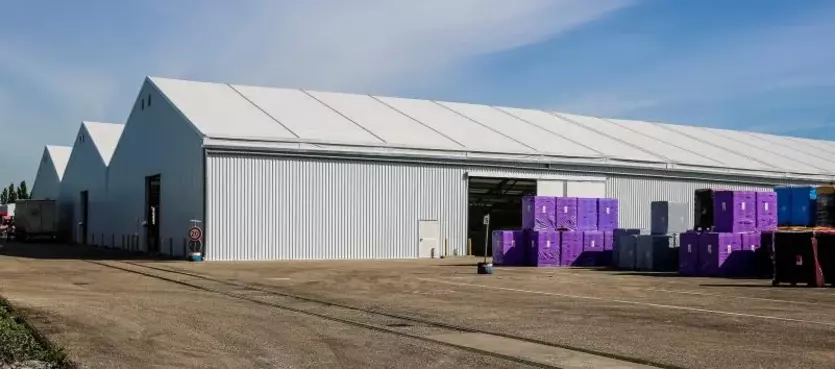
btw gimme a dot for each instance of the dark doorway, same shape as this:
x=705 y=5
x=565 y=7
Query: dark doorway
x=499 y=197
x=152 y=213
x=85 y=204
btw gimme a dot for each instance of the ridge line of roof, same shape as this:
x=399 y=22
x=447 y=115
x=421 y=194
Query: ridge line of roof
x=344 y=116
x=444 y=135
x=453 y=111
x=503 y=110
x=561 y=116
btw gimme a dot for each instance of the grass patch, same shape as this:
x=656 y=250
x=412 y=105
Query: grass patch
x=20 y=342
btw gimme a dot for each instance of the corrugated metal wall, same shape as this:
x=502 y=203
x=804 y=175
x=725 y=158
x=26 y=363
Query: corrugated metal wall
x=636 y=193
x=262 y=208
x=271 y=207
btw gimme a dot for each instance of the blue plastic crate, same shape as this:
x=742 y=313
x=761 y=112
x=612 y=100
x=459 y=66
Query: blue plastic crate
x=784 y=205
x=803 y=205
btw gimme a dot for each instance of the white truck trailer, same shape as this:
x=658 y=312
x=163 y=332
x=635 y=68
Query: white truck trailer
x=36 y=219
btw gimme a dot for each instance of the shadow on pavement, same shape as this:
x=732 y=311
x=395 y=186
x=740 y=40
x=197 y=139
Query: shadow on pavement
x=650 y=274
x=56 y=251
x=765 y=283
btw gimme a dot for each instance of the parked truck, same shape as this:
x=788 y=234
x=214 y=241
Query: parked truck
x=36 y=219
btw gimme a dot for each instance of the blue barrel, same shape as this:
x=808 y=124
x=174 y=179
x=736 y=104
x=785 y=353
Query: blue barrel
x=803 y=205
x=784 y=205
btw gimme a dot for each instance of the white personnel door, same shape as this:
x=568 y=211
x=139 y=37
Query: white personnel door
x=429 y=233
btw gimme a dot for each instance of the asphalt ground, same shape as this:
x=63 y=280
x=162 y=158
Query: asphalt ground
x=115 y=311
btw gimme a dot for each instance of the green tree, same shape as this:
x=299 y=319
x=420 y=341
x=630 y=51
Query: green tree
x=4 y=196
x=22 y=191
x=12 y=194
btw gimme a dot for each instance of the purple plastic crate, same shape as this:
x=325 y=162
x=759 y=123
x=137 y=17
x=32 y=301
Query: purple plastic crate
x=688 y=253
x=608 y=240
x=607 y=214
x=566 y=213
x=750 y=241
x=538 y=213
x=592 y=249
x=508 y=247
x=586 y=214
x=544 y=248
x=720 y=254
x=734 y=211
x=766 y=212
x=571 y=246
x=605 y=258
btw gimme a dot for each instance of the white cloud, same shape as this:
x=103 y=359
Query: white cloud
x=365 y=44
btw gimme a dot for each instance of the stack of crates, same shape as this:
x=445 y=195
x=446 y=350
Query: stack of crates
x=797 y=206
x=659 y=250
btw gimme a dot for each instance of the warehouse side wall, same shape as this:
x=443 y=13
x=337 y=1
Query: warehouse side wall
x=85 y=172
x=636 y=194
x=263 y=208
x=47 y=185
x=272 y=207
x=157 y=139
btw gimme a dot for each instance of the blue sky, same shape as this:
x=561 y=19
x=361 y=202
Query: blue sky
x=763 y=65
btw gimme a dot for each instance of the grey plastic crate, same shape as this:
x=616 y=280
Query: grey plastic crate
x=670 y=217
x=627 y=252
x=658 y=253
x=616 y=235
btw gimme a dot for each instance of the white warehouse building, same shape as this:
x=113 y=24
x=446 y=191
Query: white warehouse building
x=82 y=198
x=47 y=185
x=292 y=174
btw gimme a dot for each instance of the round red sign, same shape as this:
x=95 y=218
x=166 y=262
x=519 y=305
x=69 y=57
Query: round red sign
x=195 y=234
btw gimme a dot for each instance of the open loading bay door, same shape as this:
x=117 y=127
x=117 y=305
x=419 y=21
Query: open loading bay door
x=499 y=197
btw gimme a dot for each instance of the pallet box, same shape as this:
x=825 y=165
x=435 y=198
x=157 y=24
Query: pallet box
x=538 y=213
x=544 y=248
x=669 y=217
x=734 y=211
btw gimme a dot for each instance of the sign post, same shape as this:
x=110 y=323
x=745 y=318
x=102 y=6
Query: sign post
x=195 y=241
x=486 y=235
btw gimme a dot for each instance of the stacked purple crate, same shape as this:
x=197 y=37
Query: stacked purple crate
x=566 y=213
x=587 y=214
x=571 y=246
x=544 y=248
x=509 y=247
x=605 y=258
x=592 y=249
x=734 y=211
x=538 y=213
x=759 y=263
x=688 y=253
x=719 y=254
x=607 y=214
x=766 y=211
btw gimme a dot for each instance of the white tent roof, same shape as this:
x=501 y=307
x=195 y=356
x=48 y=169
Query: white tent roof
x=276 y=118
x=105 y=137
x=60 y=156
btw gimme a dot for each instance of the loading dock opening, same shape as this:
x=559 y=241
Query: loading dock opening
x=499 y=197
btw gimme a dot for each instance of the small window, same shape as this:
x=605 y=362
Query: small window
x=149 y=100
x=80 y=137
x=143 y=104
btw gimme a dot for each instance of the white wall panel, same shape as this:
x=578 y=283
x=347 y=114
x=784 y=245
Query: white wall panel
x=265 y=208
x=546 y=187
x=585 y=189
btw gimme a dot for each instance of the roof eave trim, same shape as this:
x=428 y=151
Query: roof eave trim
x=526 y=158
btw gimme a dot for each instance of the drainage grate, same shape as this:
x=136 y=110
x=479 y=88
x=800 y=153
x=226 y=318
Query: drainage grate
x=398 y=325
